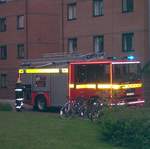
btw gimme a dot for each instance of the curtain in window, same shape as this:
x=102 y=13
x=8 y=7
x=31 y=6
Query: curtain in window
x=98 y=7
x=98 y=44
x=72 y=11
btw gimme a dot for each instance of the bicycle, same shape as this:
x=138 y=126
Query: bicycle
x=71 y=108
x=93 y=108
x=86 y=108
x=65 y=110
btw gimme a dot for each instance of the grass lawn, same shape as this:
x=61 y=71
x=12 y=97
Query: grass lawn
x=27 y=130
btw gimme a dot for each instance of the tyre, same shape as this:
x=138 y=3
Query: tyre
x=95 y=115
x=94 y=109
x=65 y=111
x=41 y=103
x=80 y=107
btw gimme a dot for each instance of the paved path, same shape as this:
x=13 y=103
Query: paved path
x=12 y=102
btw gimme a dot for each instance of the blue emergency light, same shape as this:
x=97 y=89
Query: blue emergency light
x=130 y=57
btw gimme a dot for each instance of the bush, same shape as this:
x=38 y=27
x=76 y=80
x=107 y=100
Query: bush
x=5 y=107
x=127 y=127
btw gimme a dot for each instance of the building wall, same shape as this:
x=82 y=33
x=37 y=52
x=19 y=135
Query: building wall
x=111 y=25
x=42 y=33
x=146 y=74
x=47 y=29
x=44 y=27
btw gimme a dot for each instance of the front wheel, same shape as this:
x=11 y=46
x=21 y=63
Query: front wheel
x=41 y=104
x=66 y=111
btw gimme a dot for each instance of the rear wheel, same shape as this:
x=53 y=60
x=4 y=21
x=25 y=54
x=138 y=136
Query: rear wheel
x=41 y=103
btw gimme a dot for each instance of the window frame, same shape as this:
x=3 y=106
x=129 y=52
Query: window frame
x=74 y=15
x=3 y=24
x=101 y=44
x=124 y=37
x=2 y=2
x=128 y=9
x=102 y=11
x=3 y=52
x=19 y=26
x=74 y=44
x=3 y=76
x=19 y=53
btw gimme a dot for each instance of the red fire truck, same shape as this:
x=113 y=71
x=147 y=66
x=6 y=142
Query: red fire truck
x=48 y=83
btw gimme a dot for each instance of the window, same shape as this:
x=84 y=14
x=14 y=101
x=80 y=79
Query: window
x=72 y=11
x=98 y=7
x=40 y=81
x=2 y=1
x=98 y=43
x=3 y=79
x=20 y=22
x=20 y=51
x=3 y=52
x=127 y=42
x=72 y=45
x=92 y=73
x=2 y=24
x=127 y=5
x=126 y=72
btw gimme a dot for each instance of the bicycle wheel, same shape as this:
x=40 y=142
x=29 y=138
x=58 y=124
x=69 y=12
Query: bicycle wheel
x=95 y=115
x=65 y=111
x=95 y=110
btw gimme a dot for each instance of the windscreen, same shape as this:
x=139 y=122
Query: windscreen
x=92 y=73
x=126 y=72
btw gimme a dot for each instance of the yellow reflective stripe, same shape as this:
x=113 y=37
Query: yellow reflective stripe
x=64 y=70
x=21 y=71
x=71 y=85
x=126 y=86
x=108 y=86
x=117 y=86
x=51 y=70
x=90 y=86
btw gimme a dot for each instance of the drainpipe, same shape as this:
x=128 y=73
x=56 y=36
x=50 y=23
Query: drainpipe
x=148 y=29
x=26 y=20
x=62 y=25
x=146 y=76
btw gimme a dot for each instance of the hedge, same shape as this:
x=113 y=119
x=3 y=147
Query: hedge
x=5 y=107
x=126 y=127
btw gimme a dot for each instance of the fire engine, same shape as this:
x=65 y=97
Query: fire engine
x=49 y=81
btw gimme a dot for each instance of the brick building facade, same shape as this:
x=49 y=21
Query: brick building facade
x=28 y=28
x=117 y=28
x=34 y=27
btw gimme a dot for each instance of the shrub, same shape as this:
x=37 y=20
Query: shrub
x=127 y=127
x=5 y=107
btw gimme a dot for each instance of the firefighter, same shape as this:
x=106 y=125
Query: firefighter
x=19 y=91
